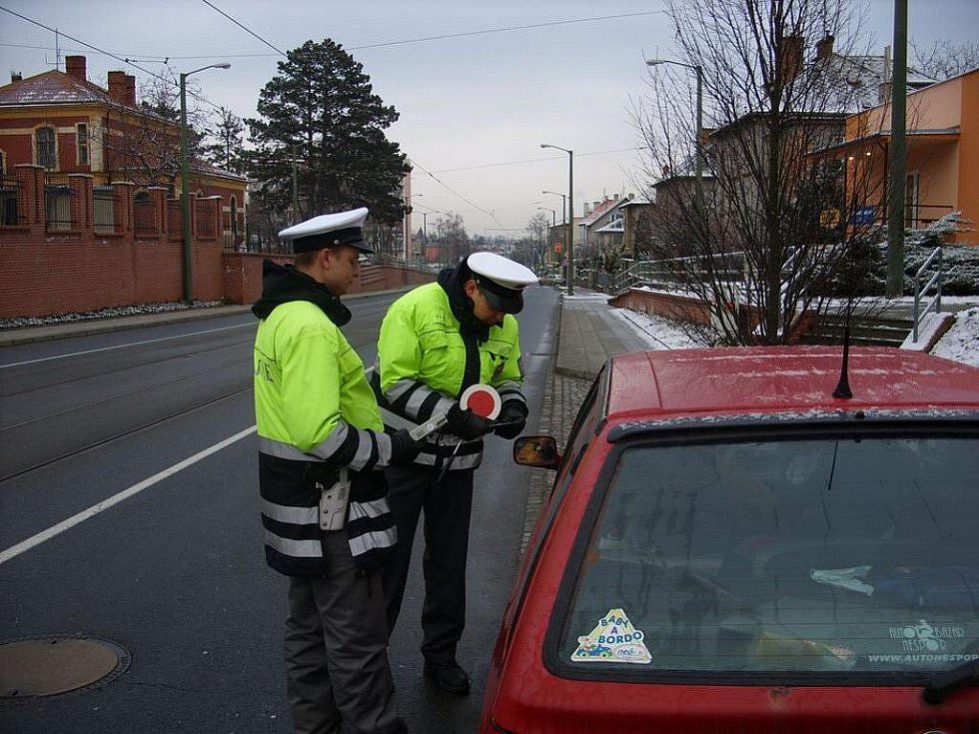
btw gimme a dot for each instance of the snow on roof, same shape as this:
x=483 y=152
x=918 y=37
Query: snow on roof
x=598 y=212
x=52 y=87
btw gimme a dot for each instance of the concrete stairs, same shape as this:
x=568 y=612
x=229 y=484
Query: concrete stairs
x=878 y=331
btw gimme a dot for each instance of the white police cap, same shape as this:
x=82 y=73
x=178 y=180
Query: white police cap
x=502 y=280
x=329 y=230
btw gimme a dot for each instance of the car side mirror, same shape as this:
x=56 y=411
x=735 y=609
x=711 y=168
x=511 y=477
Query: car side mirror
x=539 y=451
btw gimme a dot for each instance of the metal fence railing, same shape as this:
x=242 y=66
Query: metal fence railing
x=104 y=201
x=204 y=225
x=57 y=207
x=934 y=286
x=10 y=213
x=144 y=218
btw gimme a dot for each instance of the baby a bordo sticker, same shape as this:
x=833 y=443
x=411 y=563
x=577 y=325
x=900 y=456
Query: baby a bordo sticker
x=614 y=639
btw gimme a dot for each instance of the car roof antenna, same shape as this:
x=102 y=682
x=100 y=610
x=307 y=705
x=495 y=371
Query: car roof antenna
x=842 y=390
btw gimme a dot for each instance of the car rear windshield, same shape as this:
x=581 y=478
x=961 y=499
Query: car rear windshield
x=826 y=554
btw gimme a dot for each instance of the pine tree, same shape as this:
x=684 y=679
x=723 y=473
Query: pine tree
x=321 y=121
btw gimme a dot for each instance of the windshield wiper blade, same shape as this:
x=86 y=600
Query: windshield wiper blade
x=944 y=683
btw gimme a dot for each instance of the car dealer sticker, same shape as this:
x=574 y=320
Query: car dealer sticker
x=614 y=639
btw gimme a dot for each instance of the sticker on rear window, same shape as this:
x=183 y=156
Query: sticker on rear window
x=614 y=639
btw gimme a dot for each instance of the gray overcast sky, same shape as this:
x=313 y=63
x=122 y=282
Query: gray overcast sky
x=465 y=103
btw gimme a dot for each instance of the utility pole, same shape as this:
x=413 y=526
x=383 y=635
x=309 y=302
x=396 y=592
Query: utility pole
x=898 y=153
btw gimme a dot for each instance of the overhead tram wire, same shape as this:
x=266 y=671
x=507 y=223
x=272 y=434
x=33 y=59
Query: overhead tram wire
x=196 y=96
x=385 y=44
x=435 y=178
x=536 y=160
x=244 y=28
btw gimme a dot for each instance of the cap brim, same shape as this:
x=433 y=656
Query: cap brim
x=506 y=304
x=362 y=246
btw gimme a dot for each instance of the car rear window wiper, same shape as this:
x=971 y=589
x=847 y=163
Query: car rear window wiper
x=945 y=682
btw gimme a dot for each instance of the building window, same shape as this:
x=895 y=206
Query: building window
x=81 y=142
x=45 y=148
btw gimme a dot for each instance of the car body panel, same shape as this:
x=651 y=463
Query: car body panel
x=697 y=390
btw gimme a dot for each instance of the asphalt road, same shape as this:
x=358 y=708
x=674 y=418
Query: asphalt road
x=173 y=569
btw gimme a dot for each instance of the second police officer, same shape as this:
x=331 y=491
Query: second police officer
x=435 y=342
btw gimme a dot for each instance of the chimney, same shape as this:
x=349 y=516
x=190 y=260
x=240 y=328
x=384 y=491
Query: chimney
x=75 y=67
x=586 y=209
x=117 y=86
x=130 y=90
x=824 y=48
x=789 y=62
x=615 y=197
x=16 y=76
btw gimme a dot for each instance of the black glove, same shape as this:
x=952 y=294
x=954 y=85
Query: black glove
x=513 y=413
x=465 y=424
x=404 y=448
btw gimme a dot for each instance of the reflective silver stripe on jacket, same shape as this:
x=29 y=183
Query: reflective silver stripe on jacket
x=368 y=509
x=376 y=539
x=281 y=450
x=511 y=390
x=394 y=420
x=326 y=448
x=365 y=446
x=461 y=461
x=399 y=388
x=294 y=548
x=290 y=515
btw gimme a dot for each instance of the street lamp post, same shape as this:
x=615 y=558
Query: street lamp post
x=553 y=214
x=185 y=182
x=699 y=142
x=570 y=234
x=564 y=202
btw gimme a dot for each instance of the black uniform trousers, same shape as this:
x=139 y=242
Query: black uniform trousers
x=337 y=673
x=447 y=506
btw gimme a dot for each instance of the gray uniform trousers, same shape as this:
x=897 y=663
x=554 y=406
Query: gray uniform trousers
x=337 y=672
x=447 y=506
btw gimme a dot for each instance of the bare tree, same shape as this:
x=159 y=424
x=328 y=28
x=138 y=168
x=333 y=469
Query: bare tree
x=538 y=228
x=944 y=59
x=142 y=143
x=772 y=237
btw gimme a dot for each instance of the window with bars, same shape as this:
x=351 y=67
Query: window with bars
x=45 y=149
x=81 y=142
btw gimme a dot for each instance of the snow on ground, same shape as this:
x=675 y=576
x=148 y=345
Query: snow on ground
x=961 y=342
x=105 y=313
x=658 y=332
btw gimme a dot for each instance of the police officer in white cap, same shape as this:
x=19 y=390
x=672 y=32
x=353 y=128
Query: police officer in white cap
x=435 y=342
x=322 y=448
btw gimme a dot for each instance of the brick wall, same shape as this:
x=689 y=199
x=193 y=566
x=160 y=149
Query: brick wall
x=44 y=273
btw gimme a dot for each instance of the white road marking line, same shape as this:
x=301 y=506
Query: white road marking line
x=115 y=499
x=122 y=346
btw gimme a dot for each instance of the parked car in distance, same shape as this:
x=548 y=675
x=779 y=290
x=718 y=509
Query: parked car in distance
x=729 y=548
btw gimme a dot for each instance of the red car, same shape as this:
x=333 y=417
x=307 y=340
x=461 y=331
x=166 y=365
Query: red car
x=729 y=548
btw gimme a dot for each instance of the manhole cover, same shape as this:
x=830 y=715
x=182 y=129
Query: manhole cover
x=45 y=666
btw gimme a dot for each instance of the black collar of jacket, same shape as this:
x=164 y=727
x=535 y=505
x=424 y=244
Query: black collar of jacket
x=283 y=284
x=453 y=282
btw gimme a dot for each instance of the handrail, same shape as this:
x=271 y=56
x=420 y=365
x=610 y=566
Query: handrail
x=935 y=280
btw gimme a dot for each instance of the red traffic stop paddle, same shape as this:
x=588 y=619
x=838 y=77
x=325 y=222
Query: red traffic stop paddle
x=483 y=400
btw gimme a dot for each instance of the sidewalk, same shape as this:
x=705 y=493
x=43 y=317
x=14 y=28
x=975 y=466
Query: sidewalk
x=590 y=334
x=31 y=334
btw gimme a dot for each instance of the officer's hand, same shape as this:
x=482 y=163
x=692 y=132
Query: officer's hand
x=404 y=448
x=514 y=413
x=465 y=424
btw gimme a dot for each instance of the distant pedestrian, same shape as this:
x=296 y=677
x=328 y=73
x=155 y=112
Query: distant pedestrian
x=324 y=499
x=435 y=342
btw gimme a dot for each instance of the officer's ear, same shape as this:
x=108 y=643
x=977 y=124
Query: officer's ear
x=470 y=288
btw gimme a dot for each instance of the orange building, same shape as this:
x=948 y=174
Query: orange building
x=942 y=155
x=66 y=124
